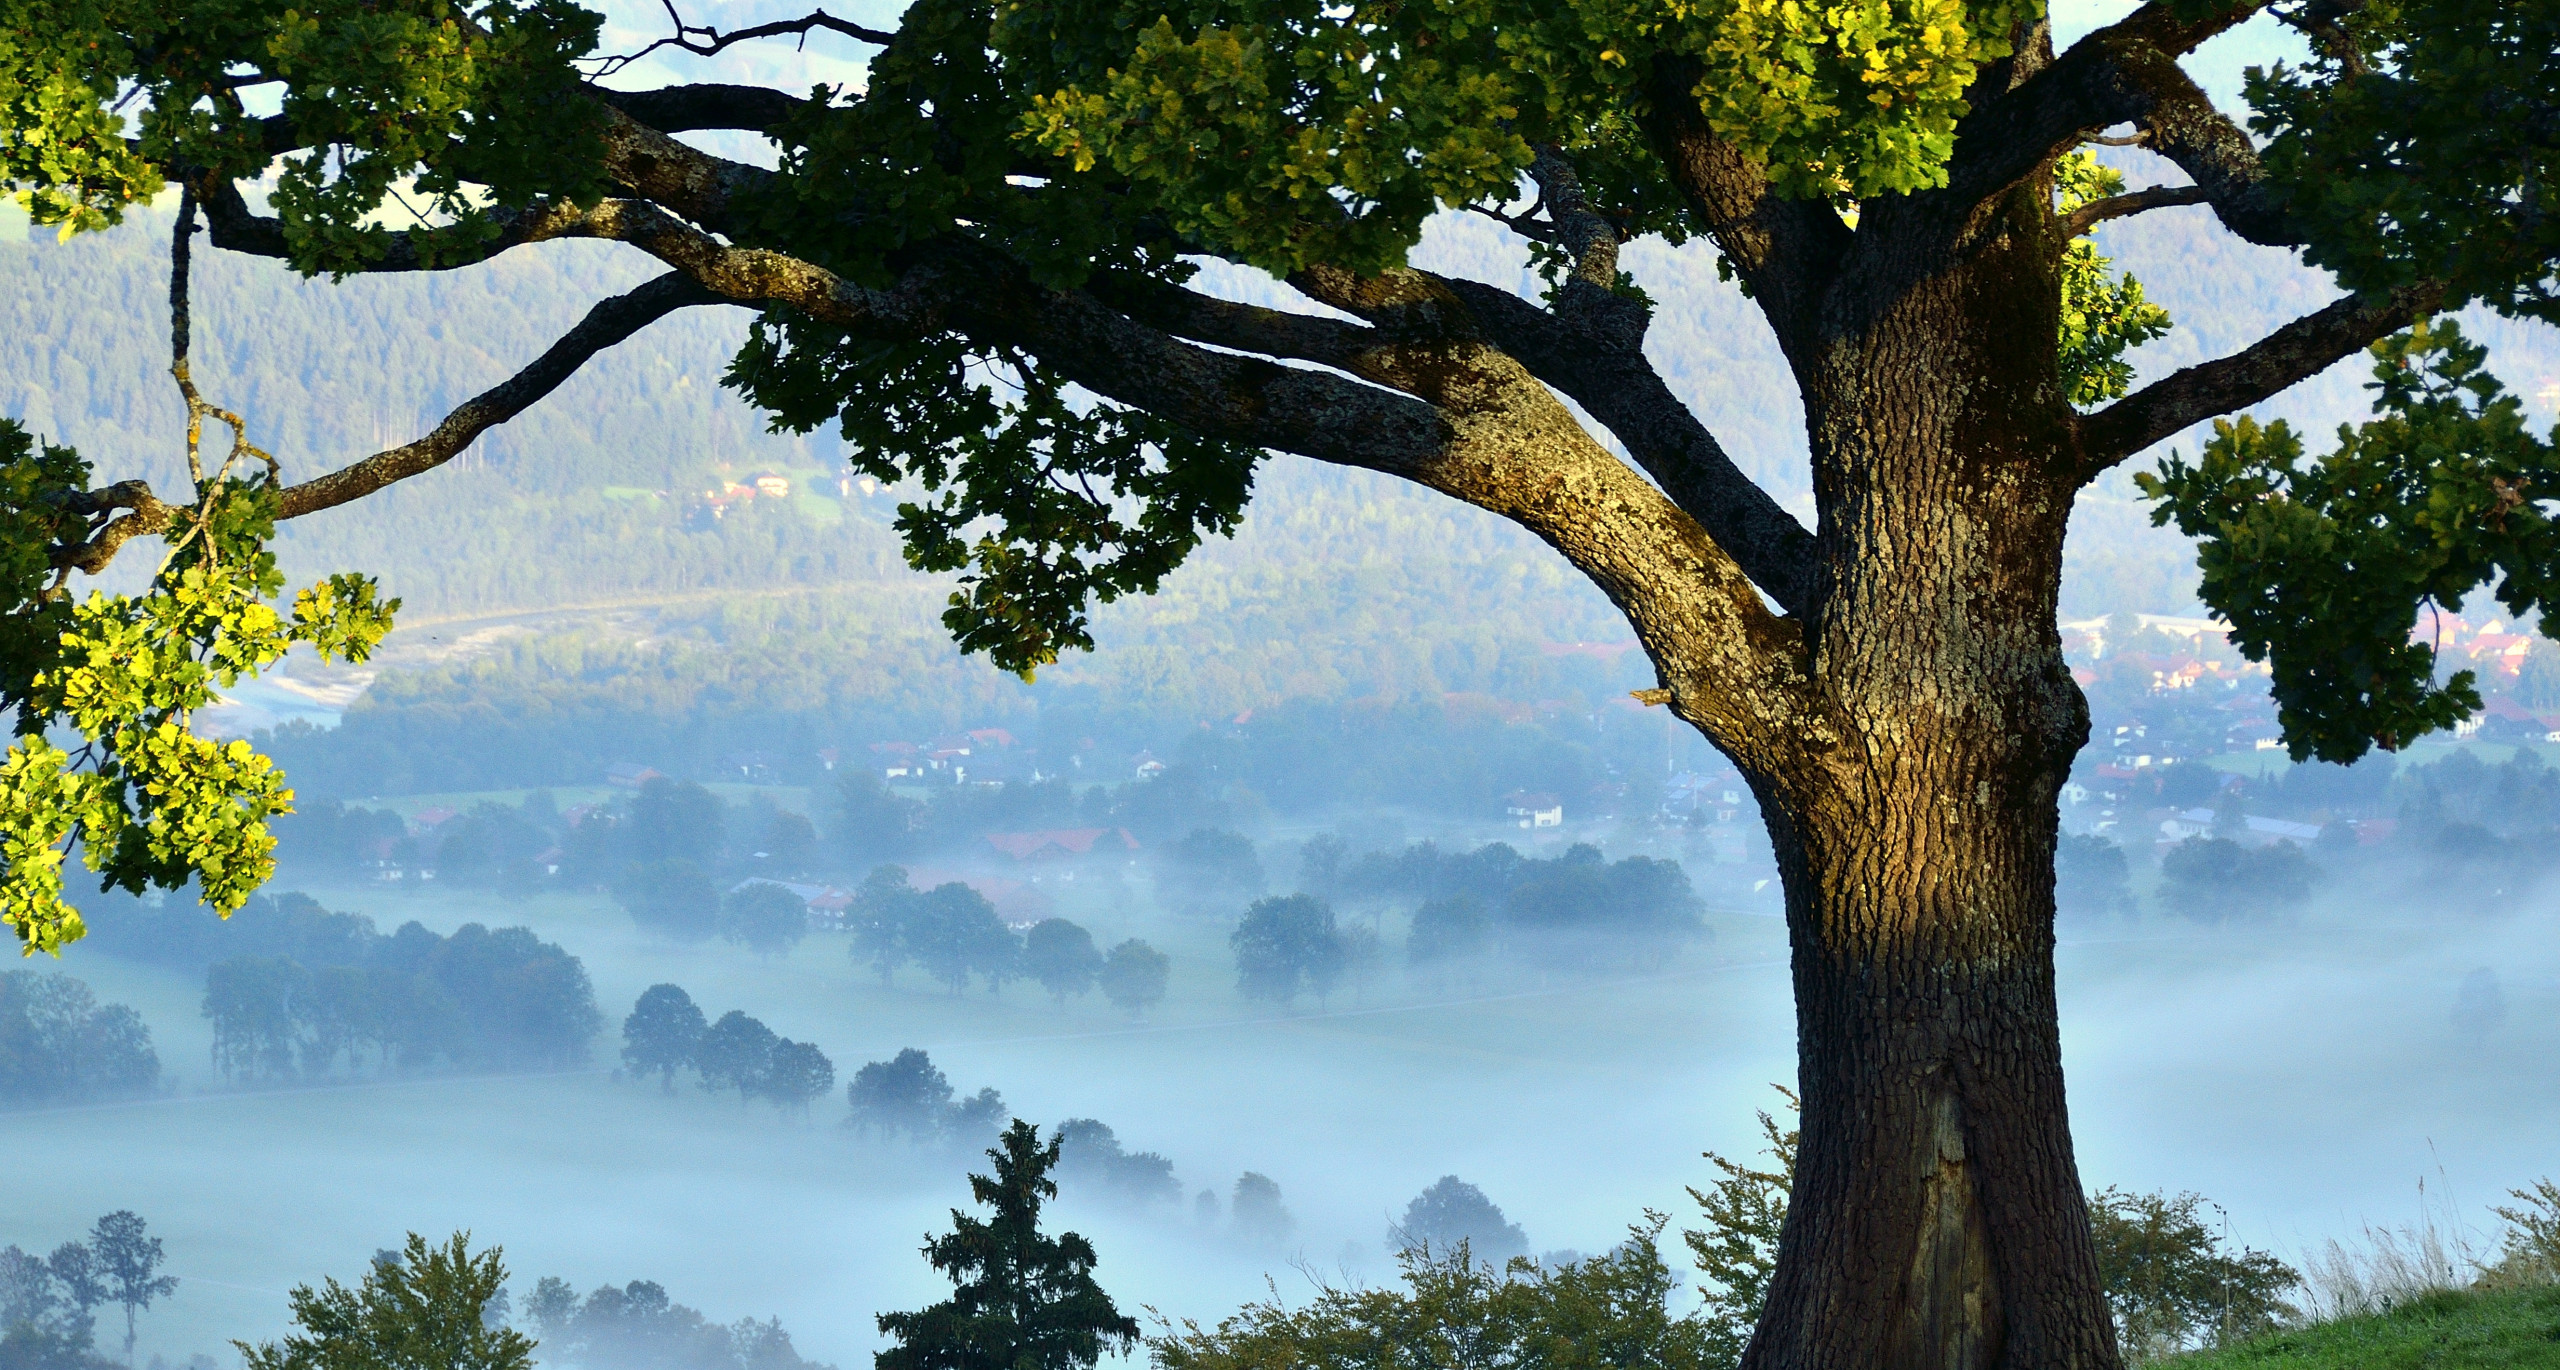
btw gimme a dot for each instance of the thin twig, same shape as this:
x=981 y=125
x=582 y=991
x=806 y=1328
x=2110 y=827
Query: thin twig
x=711 y=40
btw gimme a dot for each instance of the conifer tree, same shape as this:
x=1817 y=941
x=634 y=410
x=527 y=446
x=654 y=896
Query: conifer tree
x=1022 y=1300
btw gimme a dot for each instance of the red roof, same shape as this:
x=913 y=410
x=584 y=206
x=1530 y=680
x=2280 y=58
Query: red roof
x=1023 y=846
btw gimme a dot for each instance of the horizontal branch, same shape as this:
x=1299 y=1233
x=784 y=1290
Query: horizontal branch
x=1238 y=327
x=2096 y=212
x=610 y=322
x=2294 y=353
x=710 y=105
x=148 y=515
x=1458 y=416
x=234 y=227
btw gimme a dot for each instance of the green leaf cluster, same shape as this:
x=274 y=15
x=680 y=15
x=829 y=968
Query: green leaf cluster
x=1044 y=501
x=2324 y=567
x=929 y=151
x=148 y=801
x=429 y=112
x=2173 y=1285
x=2103 y=316
x=1738 y=1248
x=2424 y=143
x=1288 y=132
x=426 y=1309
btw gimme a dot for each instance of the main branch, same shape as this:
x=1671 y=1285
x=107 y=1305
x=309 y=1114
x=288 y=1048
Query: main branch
x=2292 y=354
x=608 y=323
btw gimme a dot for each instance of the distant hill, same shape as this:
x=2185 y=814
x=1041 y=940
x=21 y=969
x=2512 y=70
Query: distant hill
x=1340 y=585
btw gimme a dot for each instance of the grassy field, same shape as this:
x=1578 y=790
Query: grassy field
x=2448 y=1330
x=2302 y=1076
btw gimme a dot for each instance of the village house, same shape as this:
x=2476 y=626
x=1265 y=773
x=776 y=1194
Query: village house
x=1060 y=844
x=826 y=904
x=1533 y=809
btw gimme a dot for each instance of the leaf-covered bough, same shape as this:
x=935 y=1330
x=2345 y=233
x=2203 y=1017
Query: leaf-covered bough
x=981 y=264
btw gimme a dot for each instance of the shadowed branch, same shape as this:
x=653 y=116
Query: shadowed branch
x=2294 y=353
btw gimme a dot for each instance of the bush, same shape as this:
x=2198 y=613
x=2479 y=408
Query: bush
x=1453 y=1214
x=2172 y=1284
x=1611 y=1310
x=1089 y=1154
x=637 y=1327
x=908 y=1096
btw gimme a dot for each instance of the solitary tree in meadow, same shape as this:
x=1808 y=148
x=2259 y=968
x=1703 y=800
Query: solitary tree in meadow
x=1062 y=957
x=129 y=1260
x=660 y=1035
x=980 y=266
x=1134 y=977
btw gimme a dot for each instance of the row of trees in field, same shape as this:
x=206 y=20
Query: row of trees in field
x=678 y=900
x=59 y=1045
x=953 y=934
x=1574 y=912
x=479 y=999
x=667 y=1033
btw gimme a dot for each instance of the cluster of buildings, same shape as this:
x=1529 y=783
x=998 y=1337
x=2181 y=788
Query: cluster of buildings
x=980 y=756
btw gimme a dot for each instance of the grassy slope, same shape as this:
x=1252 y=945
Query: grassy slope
x=2516 y=1329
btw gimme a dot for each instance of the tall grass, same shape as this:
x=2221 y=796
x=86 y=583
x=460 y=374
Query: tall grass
x=2388 y=1267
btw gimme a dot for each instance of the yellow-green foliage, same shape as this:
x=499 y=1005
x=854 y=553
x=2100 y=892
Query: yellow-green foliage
x=2103 y=317
x=150 y=802
x=1291 y=132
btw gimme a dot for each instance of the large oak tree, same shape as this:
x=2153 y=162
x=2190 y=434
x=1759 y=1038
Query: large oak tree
x=981 y=267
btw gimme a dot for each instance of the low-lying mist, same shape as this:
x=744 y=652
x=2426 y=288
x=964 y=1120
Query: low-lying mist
x=2304 y=1073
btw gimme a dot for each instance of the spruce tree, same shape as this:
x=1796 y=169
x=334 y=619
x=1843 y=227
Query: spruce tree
x=1022 y=1301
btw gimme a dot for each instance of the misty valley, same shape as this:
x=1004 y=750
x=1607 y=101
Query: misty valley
x=724 y=1054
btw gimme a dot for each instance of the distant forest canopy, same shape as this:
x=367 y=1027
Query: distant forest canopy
x=1341 y=587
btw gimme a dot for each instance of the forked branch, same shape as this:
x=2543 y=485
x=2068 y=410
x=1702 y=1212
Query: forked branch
x=2124 y=73
x=705 y=40
x=610 y=322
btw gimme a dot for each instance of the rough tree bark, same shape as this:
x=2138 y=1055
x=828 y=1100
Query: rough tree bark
x=1938 y=1221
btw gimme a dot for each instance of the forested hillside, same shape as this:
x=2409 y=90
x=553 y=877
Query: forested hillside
x=1340 y=585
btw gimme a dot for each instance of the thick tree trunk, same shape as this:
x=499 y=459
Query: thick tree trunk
x=1938 y=1221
